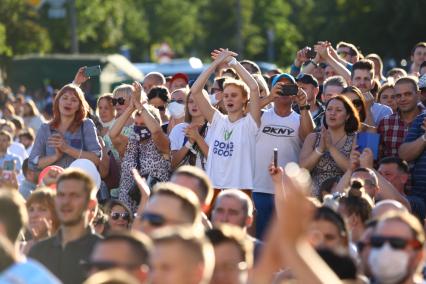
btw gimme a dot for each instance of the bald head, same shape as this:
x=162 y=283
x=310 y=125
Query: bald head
x=385 y=206
x=153 y=79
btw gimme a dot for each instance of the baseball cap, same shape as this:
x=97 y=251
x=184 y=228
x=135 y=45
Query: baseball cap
x=422 y=81
x=307 y=79
x=180 y=76
x=278 y=77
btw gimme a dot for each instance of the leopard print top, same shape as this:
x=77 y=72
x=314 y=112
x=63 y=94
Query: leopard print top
x=151 y=163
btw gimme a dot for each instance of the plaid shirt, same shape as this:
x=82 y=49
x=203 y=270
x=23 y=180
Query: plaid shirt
x=392 y=130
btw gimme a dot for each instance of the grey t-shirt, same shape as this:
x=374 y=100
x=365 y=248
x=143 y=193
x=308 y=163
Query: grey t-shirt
x=84 y=138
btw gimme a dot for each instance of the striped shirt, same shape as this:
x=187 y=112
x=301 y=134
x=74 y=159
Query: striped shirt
x=418 y=172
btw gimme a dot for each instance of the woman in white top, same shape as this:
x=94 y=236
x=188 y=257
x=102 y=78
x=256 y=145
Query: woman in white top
x=187 y=139
x=230 y=162
x=106 y=112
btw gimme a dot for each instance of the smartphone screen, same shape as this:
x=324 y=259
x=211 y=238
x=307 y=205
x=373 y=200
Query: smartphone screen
x=275 y=157
x=92 y=71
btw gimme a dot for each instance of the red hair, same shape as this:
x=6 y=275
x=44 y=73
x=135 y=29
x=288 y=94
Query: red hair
x=81 y=112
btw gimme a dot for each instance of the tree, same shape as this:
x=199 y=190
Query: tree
x=20 y=31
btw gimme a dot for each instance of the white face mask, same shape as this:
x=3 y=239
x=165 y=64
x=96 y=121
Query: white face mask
x=213 y=99
x=107 y=124
x=176 y=110
x=388 y=265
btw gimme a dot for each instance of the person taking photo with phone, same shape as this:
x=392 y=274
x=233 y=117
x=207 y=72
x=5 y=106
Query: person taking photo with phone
x=70 y=135
x=282 y=128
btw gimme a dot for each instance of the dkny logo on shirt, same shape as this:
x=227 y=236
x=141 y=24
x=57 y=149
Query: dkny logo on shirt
x=223 y=149
x=278 y=130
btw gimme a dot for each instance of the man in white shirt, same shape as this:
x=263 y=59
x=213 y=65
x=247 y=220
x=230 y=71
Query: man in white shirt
x=284 y=129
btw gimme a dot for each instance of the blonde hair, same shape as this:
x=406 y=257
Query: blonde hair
x=239 y=84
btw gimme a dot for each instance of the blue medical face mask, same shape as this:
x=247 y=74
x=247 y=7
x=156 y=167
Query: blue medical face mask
x=142 y=131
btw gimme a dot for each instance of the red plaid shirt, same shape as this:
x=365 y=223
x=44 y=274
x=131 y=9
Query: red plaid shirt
x=392 y=132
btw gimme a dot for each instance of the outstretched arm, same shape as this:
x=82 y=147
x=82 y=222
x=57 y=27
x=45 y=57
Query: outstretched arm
x=196 y=90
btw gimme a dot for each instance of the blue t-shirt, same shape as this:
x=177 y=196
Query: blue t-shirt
x=418 y=173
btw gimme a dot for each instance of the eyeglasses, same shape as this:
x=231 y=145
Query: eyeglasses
x=153 y=219
x=124 y=216
x=357 y=103
x=395 y=242
x=120 y=101
x=178 y=101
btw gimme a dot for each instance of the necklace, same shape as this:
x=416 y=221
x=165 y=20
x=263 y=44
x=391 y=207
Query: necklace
x=338 y=141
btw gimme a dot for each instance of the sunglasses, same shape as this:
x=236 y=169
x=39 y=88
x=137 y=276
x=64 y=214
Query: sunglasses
x=153 y=219
x=161 y=108
x=395 y=242
x=120 y=101
x=357 y=103
x=116 y=215
x=105 y=265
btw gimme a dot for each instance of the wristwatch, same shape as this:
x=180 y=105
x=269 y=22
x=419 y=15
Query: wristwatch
x=307 y=107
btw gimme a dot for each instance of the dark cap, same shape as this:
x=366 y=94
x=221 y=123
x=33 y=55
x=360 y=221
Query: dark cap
x=307 y=79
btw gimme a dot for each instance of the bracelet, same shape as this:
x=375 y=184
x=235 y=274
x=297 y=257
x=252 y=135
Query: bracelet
x=233 y=62
x=294 y=68
x=305 y=107
x=318 y=151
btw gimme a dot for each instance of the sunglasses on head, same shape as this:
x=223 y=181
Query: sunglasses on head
x=357 y=102
x=395 y=242
x=153 y=219
x=116 y=215
x=120 y=101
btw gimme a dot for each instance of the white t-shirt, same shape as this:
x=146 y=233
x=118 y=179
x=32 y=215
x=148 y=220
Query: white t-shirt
x=275 y=132
x=230 y=163
x=177 y=140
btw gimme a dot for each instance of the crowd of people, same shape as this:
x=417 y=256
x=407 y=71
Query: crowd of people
x=317 y=175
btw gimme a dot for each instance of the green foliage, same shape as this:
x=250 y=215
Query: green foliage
x=195 y=27
x=20 y=30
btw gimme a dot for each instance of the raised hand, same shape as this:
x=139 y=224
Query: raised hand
x=142 y=186
x=301 y=97
x=136 y=95
x=354 y=158
x=222 y=55
x=322 y=49
x=276 y=174
x=80 y=77
x=366 y=159
x=296 y=211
